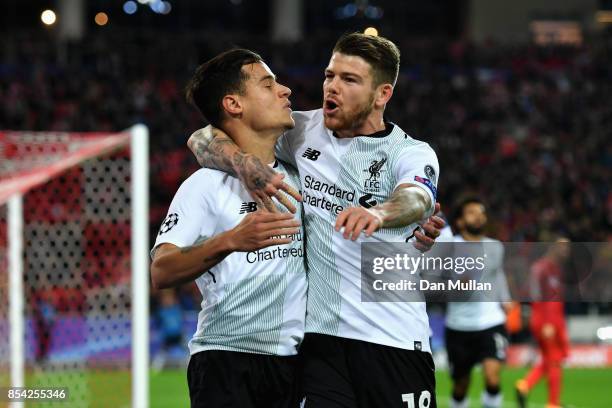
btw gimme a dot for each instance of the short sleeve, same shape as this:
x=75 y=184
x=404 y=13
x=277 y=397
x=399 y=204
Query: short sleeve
x=190 y=217
x=419 y=165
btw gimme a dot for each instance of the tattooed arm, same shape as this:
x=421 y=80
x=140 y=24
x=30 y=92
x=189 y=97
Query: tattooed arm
x=173 y=266
x=408 y=204
x=215 y=150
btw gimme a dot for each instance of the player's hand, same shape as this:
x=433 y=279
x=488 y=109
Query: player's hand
x=431 y=227
x=262 y=229
x=263 y=183
x=356 y=220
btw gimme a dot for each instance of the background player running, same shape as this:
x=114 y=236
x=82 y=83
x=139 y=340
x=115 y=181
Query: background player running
x=475 y=330
x=248 y=264
x=548 y=323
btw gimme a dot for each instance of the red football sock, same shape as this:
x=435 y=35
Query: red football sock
x=554 y=383
x=535 y=374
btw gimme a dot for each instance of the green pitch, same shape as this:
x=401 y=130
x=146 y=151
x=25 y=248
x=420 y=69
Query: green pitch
x=582 y=388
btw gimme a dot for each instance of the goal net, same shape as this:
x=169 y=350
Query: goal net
x=74 y=265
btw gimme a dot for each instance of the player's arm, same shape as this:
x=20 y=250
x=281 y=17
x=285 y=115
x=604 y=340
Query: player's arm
x=173 y=265
x=408 y=204
x=535 y=283
x=505 y=298
x=416 y=171
x=216 y=150
x=508 y=306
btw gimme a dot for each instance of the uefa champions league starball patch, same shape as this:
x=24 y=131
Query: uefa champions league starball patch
x=169 y=223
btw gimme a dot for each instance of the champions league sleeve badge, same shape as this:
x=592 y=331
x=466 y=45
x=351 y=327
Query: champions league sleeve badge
x=169 y=223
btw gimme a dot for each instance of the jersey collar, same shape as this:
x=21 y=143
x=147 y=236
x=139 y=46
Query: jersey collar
x=381 y=133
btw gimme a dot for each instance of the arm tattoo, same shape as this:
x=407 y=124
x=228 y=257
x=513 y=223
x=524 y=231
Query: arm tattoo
x=213 y=149
x=215 y=155
x=221 y=153
x=257 y=168
x=405 y=206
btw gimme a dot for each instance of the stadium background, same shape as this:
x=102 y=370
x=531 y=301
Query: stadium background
x=515 y=99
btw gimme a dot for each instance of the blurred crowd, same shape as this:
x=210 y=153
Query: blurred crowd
x=528 y=128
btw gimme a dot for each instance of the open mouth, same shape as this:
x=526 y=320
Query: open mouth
x=330 y=106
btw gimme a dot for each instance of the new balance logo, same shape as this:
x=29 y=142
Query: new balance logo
x=248 y=207
x=311 y=154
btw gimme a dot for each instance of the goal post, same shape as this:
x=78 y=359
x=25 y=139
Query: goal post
x=74 y=281
x=140 y=266
x=15 y=287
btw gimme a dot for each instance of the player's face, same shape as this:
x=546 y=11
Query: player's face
x=266 y=104
x=563 y=248
x=348 y=92
x=474 y=218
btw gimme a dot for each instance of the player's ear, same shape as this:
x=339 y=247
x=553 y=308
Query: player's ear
x=384 y=92
x=232 y=105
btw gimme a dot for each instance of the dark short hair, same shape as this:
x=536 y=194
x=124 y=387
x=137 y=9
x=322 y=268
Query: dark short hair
x=216 y=78
x=382 y=55
x=463 y=202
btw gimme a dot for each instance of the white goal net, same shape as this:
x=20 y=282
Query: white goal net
x=74 y=265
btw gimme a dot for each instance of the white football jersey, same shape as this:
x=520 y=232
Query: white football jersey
x=338 y=173
x=474 y=315
x=446 y=234
x=252 y=302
